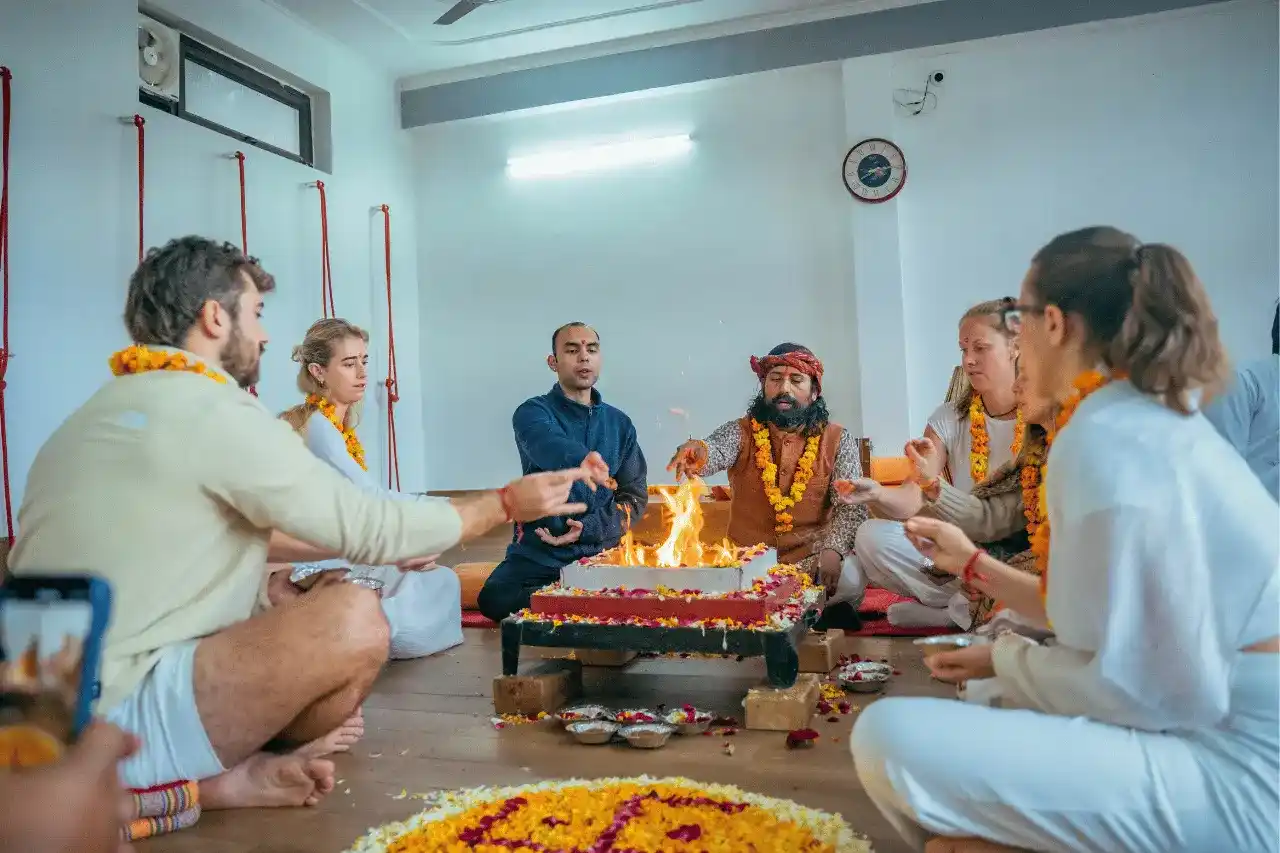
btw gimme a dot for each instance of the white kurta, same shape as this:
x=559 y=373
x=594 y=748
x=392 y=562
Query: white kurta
x=424 y=609
x=1148 y=729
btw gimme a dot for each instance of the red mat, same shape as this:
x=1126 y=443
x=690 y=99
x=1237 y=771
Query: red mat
x=874 y=623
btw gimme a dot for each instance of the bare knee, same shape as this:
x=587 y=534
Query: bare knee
x=358 y=627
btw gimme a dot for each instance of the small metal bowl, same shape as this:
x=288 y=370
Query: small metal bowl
x=366 y=582
x=592 y=732
x=684 y=726
x=864 y=676
x=584 y=714
x=931 y=646
x=636 y=716
x=646 y=735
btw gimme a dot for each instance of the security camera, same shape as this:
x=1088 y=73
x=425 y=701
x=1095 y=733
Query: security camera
x=936 y=76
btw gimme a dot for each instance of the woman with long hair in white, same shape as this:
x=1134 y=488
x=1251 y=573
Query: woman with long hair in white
x=423 y=604
x=1152 y=725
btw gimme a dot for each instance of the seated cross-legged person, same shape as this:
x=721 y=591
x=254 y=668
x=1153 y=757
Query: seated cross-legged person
x=570 y=425
x=1152 y=725
x=783 y=458
x=976 y=434
x=423 y=606
x=168 y=483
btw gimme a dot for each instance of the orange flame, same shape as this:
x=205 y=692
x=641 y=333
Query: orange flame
x=682 y=547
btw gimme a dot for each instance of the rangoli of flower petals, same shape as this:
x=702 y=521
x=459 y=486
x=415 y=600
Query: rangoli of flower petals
x=638 y=815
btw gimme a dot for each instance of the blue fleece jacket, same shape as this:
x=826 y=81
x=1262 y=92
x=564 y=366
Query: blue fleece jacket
x=554 y=432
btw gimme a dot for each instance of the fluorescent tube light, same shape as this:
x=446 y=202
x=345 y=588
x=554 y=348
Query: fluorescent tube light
x=568 y=161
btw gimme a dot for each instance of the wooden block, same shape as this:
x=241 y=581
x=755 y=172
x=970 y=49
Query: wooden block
x=546 y=687
x=773 y=709
x=819 y=652
x=604 y=657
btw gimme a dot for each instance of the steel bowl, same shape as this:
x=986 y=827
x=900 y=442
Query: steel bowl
x=684 y=726
x=864 y=676
x=584 y=714
x=637 y=716
x=592 y=732
x=931 y=646
x=646 y=735
x=366 y=582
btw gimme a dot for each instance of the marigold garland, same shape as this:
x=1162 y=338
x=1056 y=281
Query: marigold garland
x=639 y=815
x=1084 y=385
x=137 y=358
x=980 y=441
x=354 y=448
x=784 y=522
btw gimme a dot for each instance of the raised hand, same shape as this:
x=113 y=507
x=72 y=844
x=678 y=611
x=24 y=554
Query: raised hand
x=943 y=543
x=543 y=495
x=925 y=458
x=689 y=460
x=573 y=534
x=860 y=491
x=598 y=470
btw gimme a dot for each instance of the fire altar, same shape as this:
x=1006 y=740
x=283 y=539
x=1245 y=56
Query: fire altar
x=682 y=595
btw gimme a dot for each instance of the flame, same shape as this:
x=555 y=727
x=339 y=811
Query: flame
x=683 y=547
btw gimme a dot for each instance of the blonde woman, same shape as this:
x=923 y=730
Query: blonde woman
x=423 y=606
x=973 y=436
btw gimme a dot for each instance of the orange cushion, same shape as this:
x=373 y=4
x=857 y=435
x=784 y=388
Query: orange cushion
x=890 y=470
x=473 y=576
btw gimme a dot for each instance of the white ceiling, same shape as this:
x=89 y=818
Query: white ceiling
x=505 y=35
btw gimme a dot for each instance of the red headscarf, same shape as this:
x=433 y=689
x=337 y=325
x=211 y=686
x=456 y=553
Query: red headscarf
x=795 y=357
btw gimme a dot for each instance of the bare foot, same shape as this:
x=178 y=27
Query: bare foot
x=340 y=739
x=264 y=780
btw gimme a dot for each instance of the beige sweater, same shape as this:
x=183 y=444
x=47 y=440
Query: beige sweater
x=168 y=486
x=982 y=519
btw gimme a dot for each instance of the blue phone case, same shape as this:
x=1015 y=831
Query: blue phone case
x=91 y=669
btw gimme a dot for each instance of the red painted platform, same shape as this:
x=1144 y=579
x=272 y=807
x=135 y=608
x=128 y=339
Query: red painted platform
x=654 y=607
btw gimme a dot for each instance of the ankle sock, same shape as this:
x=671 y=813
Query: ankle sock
x=913 y=614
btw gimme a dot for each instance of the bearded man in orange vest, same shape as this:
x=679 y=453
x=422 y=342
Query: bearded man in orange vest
x=783 y=459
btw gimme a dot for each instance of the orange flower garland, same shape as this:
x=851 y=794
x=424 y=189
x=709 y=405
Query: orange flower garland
x=1084 y=384
x=639 y=815
x=354 y=448
x=980 y=442
x=783 y=520
x=137 y=358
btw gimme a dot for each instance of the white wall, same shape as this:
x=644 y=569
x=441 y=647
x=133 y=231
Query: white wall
x=73 y=200
x=1165 y=126
x=686 y=268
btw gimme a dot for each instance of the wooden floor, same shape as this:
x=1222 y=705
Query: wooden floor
x=429 y=728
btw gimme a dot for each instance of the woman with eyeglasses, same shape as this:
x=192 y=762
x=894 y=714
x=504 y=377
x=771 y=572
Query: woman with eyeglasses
x=971 y=437
x=1153 y=724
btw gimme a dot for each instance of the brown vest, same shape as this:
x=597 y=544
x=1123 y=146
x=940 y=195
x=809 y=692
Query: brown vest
x=751 y=517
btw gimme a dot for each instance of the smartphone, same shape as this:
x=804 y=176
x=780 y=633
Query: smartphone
x=51 y=630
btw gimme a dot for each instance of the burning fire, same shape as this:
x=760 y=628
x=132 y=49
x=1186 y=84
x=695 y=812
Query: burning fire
x=683 y=547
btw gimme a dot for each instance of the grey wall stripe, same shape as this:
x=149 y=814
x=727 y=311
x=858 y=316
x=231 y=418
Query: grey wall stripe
x=904 y=28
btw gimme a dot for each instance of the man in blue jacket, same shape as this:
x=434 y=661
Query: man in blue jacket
x=566 y=427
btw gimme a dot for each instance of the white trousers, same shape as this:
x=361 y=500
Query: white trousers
x=1038 y=782
x=423 y=609
x=886 y=558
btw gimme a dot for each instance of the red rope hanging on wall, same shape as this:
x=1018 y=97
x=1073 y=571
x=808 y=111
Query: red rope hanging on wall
x=244 y=226
x=392 y=380
x=140 y=123
x=6 y=116
x=326 y=271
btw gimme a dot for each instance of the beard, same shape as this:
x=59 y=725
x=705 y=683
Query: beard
x=242 y=360
x=810 y=420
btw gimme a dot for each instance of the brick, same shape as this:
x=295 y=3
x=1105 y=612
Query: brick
x=545 y=687
x=773 y=709
x=819 y=652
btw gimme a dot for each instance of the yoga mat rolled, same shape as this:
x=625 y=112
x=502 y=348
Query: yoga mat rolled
x=163 y=809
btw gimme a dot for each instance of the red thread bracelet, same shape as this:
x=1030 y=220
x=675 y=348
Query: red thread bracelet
x=967 y=575
x=504 y=497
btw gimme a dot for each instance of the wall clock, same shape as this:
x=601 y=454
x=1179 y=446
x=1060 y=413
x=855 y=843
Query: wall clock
x=875 y=170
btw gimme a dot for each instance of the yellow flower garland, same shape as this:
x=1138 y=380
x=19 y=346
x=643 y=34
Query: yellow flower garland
x=641 y=815
x=137 y=358
x=783 y=520
x=354 y=448
x=1084 y=384
x=980 y=442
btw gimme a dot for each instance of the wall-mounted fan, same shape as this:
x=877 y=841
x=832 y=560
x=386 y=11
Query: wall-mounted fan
x=461 y=9
x=157 y=58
